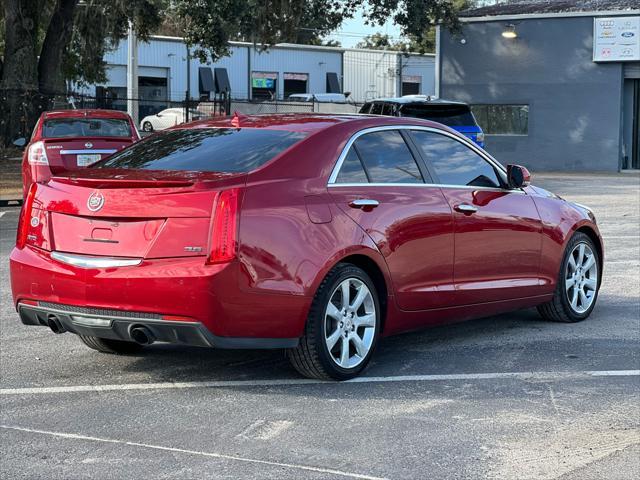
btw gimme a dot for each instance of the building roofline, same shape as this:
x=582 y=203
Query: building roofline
x=296 y=46
x=532 y=16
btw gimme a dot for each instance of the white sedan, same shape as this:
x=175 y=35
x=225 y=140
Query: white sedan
x=168 y=118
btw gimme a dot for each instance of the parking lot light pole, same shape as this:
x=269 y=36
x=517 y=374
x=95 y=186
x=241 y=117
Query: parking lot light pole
x=188 y=92
x=132 y=74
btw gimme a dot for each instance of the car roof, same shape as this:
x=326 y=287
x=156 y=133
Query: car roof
x=307 y=122
x=420 y=99
x=85 y=113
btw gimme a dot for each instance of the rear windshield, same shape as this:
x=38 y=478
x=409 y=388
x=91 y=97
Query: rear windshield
x=204 y=150
x=86 y=127
x=450 y=115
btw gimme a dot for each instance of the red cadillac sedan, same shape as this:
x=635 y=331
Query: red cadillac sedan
x=72 y=139
x=318 y=234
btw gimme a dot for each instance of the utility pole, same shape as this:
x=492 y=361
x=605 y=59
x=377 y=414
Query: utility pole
x=132 y=74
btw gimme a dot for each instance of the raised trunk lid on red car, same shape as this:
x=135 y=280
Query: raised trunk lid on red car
x=132 y=213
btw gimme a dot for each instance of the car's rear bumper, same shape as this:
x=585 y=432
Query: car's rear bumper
x=118 y=325
x=164 y=290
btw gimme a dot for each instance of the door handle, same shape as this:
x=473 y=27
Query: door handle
x=466 y=208
x=364 y=203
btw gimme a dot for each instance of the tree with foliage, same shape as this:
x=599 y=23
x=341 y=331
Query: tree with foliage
x=49 y=42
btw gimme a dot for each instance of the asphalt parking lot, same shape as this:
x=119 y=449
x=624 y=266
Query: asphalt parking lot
x=509 y=396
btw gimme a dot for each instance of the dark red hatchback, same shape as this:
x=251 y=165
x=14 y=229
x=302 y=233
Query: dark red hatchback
x=318 y=234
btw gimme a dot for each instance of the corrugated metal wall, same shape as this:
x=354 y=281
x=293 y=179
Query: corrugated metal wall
x=370 y=74
x=367 y=73
x=315 y=63
x=422 y=66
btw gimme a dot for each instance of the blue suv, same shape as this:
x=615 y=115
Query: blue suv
x=456 y=115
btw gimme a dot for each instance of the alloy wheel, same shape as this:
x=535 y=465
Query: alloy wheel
x=581 y=278
x=350 y=323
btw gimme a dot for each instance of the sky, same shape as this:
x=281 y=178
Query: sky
x=354 y=29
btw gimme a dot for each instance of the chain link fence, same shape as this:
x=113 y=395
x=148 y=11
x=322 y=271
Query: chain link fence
x=191 y=109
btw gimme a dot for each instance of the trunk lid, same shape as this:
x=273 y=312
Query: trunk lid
x=80 y=152
x=132 y=213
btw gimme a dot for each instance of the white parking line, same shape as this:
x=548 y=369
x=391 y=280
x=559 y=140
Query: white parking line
x=194 y=452
x=618 y=237
x=307 y=381
x=2 y=214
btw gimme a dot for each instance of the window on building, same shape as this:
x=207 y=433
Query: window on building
x=352 y=170
x=264 y=85
x=502 y=119
x=387 y=158
x=411 y=84
x=454 y=162
x=295 y=83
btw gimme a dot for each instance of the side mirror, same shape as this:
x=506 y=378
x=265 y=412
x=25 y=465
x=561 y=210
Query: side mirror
x=20 y=142
x=518 y=176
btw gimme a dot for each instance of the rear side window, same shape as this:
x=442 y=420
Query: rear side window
x=387 y=158
x=389 y=109
x=86 y=127
x=455 y=163
x=352 y=170
x=450 y=115
x=205 y=150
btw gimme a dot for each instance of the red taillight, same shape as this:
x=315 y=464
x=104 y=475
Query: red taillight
x=25 y=217
x=224 y=243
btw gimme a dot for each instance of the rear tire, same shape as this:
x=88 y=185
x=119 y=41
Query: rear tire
x=106 y=345
x=147 y=127
x=342 y=327
x=578 y=283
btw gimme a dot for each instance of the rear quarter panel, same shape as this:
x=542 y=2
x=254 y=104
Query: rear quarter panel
x=291 y=233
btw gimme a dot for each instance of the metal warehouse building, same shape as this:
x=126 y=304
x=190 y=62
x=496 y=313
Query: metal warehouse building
x=554 y=84
x=165 y=74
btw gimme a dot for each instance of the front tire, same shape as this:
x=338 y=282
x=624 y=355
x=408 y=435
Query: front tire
x=147 y=127
x=106 y=345
x=342 y=327
x=578 y=283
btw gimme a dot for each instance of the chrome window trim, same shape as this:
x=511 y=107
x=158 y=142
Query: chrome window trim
x=75 y=152
x=430 y=185
x=465 y=141
x=84 y=261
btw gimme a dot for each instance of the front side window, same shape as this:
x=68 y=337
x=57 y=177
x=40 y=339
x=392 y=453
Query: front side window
x=86 y=127
x=455 y=163
x=226 y=150
x=365 y=108
x=376 y=108
x=387 y=158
